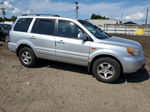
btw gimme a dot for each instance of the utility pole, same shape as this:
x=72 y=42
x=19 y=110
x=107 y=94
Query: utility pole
x=77 y=8
x=121 y=18
x=3 y=9
x=146 y=15
x=3 y=12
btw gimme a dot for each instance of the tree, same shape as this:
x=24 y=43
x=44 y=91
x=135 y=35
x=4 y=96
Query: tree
x=1 y=19
x=13 y=18
x=95 y=16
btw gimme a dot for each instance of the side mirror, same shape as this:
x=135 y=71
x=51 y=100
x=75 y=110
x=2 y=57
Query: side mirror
x=83 y=37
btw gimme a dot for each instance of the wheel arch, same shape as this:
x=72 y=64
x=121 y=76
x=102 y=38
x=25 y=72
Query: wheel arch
x=22 y=46
x=102 y=56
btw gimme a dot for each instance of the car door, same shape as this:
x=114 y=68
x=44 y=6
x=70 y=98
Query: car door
x=42 y=36
x=69 y=48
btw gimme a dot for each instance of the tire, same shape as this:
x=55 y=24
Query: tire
x=106 y=70
x=7 y=38
x=27 y=57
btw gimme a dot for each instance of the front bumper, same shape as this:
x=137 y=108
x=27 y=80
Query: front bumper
x=132 y=64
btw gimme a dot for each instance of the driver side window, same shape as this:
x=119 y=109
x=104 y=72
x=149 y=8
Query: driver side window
x=68 y=29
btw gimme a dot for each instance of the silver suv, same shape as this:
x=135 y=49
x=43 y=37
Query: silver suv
x=76 y=42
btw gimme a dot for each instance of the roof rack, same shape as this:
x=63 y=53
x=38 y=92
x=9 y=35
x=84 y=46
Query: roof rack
x=40 y=15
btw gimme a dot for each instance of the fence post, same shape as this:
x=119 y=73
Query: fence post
x=125 y=29
x=115 y=29
x=104 y=28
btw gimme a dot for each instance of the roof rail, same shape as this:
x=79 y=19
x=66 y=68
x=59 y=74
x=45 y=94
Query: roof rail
x=40 y=15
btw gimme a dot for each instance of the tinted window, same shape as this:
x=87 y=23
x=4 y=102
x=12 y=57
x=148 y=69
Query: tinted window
x=0 y=29
x=6 y=27
x=44 y=26
x=68 y=29
x=22 y=24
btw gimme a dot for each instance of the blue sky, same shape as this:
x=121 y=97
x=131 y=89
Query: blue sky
x=126 y=10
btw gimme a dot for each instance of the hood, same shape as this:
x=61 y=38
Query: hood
x=121 y=42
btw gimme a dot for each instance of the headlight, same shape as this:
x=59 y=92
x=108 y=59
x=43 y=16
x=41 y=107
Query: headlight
x=133 y=51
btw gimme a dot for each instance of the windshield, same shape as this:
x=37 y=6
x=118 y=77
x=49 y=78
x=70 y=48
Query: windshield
x=6 y=27
x=97 y=32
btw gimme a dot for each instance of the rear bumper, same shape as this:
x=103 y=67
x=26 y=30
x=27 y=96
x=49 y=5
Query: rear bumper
x=12 y=47
x=132 y=64
x=2 y=38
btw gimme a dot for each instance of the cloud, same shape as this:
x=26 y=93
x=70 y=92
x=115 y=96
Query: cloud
x=49 y=5
x=10 y=0
x=68 y=8
x=87 y=0
x=10 y=8
x=16 y=11
x=136 y=16
x=7 y=4
x=113 y=10
x=104 y=9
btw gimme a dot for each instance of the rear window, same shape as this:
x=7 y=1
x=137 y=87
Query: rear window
x=22 y=24
x=44 y=26
x=6 y=27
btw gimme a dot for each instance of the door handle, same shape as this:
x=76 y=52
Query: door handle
x=33 y=38
x=61 y=42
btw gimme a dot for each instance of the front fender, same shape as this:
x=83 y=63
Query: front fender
x=108 y=52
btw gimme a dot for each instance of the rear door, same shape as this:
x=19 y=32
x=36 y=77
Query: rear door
x=69 y=48
x=42 y=36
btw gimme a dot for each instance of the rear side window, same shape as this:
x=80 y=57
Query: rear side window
x=44 y=26
x=22 y=24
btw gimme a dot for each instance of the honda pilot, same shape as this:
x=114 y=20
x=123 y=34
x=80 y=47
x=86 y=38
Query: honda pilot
x=77 y=42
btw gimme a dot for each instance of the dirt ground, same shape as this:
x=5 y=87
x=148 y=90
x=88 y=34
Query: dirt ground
x=59 y=87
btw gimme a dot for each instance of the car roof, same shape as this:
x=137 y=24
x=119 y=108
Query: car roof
x=50 y=17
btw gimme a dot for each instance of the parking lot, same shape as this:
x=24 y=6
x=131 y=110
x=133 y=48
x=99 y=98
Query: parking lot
x=59 y=87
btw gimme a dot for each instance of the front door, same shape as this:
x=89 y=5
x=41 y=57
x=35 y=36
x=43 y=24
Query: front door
x=69 y=48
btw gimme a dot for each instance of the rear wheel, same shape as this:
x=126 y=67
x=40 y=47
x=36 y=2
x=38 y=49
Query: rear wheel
x=27 y=57
x=106 y=70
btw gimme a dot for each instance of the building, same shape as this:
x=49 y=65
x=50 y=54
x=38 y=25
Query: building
x=102 y=22
x=130 y=23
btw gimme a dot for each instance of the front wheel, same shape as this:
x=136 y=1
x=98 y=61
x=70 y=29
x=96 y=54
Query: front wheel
x=106 y=70
x=27 y=57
